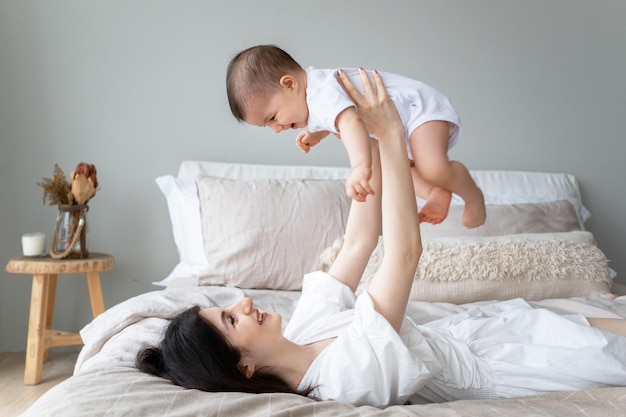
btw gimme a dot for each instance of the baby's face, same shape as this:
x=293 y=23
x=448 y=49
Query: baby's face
x=282 y=110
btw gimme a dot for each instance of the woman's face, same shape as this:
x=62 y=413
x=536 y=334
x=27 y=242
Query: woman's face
x=245 y=327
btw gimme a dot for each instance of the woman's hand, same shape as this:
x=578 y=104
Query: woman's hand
x=391 y=285
x=374 y=106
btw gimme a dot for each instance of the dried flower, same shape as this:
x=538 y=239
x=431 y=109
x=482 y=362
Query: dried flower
x=89 y=171
x=55 y=188
x=81 y=187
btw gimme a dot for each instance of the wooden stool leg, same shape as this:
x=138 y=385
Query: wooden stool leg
x=95 y=293
x=35 y=345
x=52 y=290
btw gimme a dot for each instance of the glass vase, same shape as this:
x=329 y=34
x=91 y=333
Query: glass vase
x=69 y=237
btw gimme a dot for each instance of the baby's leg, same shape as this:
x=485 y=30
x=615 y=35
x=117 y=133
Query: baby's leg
x=429 y=145
x=437 y=199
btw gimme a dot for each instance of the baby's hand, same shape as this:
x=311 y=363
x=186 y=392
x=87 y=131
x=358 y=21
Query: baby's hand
x=306 y=140
x=357 y=184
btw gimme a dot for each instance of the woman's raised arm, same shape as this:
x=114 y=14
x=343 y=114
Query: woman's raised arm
x=362 y=229
x=391 y=284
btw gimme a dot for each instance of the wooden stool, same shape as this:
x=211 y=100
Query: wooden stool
x=45 y=272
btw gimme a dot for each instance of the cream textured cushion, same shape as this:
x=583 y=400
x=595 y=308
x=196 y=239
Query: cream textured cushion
x=268 y=233
x=533 y=266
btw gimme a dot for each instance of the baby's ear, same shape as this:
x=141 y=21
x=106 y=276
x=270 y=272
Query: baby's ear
x=289 y=82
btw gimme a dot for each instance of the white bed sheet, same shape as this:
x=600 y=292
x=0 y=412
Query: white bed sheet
x=114 y=337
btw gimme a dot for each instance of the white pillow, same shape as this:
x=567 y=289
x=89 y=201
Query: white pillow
x=499 y=187
x=513 y=187
x=190 y=170
x=268 y=233
x=184 y=209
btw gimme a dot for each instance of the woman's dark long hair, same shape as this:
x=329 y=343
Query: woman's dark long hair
x=194 y=354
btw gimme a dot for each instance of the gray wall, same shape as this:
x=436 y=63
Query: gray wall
x=135 y=87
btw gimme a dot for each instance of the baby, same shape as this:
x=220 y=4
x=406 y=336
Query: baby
x=267 y=87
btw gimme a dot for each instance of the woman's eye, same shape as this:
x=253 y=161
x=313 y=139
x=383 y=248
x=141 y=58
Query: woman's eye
x=231 y=319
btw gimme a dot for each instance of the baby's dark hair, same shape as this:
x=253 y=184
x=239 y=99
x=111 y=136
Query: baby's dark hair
x=255 y=72
x=195 y=354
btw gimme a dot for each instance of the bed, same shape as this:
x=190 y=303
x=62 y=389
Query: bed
x=254 y=230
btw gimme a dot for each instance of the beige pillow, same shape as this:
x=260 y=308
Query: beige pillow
x=532 y=266
x=509 y=219
x=268 y=233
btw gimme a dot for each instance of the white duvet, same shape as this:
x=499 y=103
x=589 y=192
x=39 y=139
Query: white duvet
x=114 y=337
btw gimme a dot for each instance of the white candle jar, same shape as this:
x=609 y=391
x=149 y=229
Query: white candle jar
x=33 y=244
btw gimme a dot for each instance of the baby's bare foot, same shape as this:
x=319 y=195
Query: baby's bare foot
x=475 y=212
x=435 y=209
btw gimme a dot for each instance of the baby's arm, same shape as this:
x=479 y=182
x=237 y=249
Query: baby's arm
x=306 y=140
x=356 y=140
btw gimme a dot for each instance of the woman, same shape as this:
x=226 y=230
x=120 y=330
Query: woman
x=364 y=351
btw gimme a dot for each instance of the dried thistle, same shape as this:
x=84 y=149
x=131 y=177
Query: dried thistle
x=55 y=188
x=88 y=170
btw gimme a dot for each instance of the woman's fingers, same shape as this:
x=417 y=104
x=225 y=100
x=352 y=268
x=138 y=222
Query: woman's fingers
x=350 y=89
x=368 y=89
x=371 y=92
x=381 y=91
x=374 y=106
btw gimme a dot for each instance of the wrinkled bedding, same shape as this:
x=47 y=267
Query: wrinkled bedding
x=105 y=382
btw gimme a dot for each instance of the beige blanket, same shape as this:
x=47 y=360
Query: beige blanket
x=124 y=391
